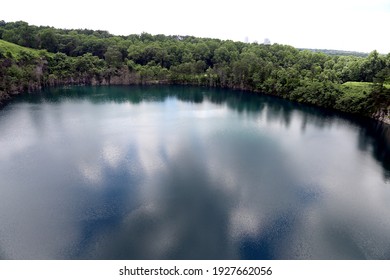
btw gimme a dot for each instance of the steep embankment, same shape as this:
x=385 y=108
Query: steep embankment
x=21 y=69
x=366 y=99
x=24 y=70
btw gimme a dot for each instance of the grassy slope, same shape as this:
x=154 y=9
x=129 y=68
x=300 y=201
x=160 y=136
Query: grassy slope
x=16 y=50
x=359 y=86
x=356 y=97
x=356 y=88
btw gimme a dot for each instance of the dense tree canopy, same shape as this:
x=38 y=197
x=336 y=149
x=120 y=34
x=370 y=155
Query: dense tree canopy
x=88 y=56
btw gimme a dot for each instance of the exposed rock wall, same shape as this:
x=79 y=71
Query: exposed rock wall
x=382 y=115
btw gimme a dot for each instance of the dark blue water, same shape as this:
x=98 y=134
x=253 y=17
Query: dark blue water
x=189 y=173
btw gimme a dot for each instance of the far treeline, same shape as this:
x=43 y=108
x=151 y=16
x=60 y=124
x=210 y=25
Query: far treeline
x=33 y=57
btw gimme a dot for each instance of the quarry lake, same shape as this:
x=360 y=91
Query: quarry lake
x=189 y=173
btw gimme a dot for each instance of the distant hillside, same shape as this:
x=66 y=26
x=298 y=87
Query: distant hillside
x=338 y=52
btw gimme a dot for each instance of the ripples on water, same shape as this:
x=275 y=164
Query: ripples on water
x=189 y=173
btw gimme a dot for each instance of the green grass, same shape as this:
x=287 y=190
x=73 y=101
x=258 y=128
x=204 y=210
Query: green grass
x=354 y=98
x=359 y=87
x=356 y=88
x=16 y=51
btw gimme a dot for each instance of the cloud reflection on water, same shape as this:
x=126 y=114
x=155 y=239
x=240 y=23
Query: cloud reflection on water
x=161 y=173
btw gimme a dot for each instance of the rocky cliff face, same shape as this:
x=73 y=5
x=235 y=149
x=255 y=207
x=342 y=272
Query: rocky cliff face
x=40 y=79
x=29 y=83
x=382 y=115
x=119 y=77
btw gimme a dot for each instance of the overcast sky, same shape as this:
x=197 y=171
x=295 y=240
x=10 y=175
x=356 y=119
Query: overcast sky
x=359 y=25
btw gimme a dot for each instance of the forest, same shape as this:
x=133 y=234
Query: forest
x=33 y=57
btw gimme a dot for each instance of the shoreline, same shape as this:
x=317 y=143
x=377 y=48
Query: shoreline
x=382 y=115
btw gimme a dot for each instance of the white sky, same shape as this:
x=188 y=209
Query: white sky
x=358 y=25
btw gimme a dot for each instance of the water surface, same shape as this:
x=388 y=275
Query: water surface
x=189 y=173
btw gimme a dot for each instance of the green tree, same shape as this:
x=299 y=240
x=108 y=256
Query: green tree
x=48 y=40
x=372 y=66
x=113 y=57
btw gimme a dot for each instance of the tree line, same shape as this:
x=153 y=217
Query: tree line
x=60 y=56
